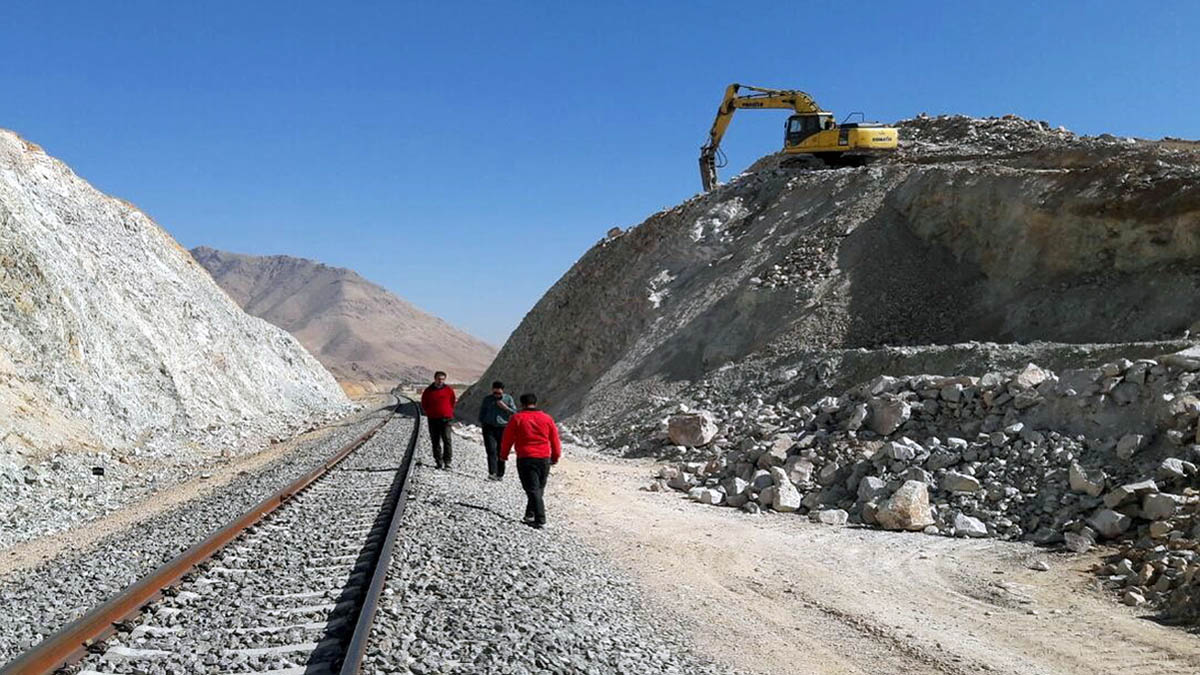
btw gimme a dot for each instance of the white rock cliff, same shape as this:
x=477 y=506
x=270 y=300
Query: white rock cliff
x=114 y=344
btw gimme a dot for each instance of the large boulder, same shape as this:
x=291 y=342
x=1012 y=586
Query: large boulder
x=761 y=480
x=1129 y=492
x=1173 y=468
x=870 y=488
x=906 y=509
x=1159 y=506
x=1077 y=542
x=1109 y=523
x=1129 y=445
x=903 y=450
x=1030 y=377
x=680 y=481
x=799 y=469
x=830 y=517
x=887 y=414
x=692 y=429
x=786 y=498
x=767 y=497
x=954 y=481
x=967 y=526
x=777 y=453
x=735 y=486
x=1090 y=483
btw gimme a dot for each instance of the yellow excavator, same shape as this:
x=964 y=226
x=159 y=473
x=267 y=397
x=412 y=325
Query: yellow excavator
x=810 y=132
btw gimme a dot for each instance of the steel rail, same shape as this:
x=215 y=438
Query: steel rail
x=72 y=642
x=357 y=646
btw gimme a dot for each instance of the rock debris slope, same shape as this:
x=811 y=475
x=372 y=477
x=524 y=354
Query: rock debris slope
x=365 y=335
x=117 y=349
x=1000 y=231
x=859 y=345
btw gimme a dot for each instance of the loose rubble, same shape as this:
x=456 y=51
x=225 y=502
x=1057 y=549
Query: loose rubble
x=1029 y=454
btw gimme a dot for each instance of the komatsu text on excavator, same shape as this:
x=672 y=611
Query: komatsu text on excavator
x=811 y=131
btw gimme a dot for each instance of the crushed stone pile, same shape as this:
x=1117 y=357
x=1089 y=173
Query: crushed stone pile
x=1106 y=454
x=960 y=135
x=123 y=367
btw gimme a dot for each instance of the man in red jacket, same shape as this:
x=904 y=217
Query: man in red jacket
x=535 y=437
x=437 y=402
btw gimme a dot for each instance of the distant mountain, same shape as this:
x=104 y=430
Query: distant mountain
x=366 y=336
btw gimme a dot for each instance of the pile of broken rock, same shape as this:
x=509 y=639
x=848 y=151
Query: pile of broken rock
x=1087 y=455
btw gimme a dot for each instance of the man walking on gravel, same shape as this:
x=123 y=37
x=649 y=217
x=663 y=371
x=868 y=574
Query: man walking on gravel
x=535 y=436
x=437 y=402
x=494 y=414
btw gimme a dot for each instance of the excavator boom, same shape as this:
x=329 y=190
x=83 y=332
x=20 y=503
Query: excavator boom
x=818 y=134
x=760 y=98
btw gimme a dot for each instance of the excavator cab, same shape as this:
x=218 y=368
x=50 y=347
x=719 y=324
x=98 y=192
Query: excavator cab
x=800 y=127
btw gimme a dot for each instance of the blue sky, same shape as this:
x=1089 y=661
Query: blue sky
x=464 y=155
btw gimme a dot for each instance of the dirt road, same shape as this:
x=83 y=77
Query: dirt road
x=777 y=594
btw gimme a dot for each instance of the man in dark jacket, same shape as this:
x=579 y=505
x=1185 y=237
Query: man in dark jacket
x=493 y=417
x=437 y=402
x=535 y=437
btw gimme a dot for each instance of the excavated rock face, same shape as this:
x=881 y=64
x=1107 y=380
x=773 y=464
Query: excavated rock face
x=115 y=344
x=999 y=230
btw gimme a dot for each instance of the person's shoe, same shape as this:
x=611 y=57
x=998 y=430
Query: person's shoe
x=438 y=465
x=536 y=525
x=529 y=520
x=447 y=467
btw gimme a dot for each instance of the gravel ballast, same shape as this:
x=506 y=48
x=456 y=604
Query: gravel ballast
x=43 y=599
x=283 y=596
x=473 y=590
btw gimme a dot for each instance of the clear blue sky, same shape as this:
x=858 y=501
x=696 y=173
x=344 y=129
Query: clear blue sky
x=465 y=155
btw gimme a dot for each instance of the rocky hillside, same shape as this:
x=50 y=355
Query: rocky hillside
x=365 y=335
x=117 y=349
x=859 y=345
x=999 y=231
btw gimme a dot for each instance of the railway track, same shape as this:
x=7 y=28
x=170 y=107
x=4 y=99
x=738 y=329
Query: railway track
x=290 y=587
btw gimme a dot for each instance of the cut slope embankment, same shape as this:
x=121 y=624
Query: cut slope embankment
x=117 y=351
x=999 y=230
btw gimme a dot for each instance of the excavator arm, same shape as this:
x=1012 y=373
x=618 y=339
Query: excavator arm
x=789 y=99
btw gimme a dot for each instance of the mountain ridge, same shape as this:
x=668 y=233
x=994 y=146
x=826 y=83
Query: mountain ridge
x=367 y=336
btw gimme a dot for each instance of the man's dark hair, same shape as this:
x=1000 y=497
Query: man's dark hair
x=528 y=399
x=497 y=385
x=440 y=372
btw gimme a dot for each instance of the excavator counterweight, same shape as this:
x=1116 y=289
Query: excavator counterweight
x=809 y=131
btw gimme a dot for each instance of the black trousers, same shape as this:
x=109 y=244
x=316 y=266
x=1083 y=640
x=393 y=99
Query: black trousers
x=439 y=437
x=492 y=435
x=534 y=473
